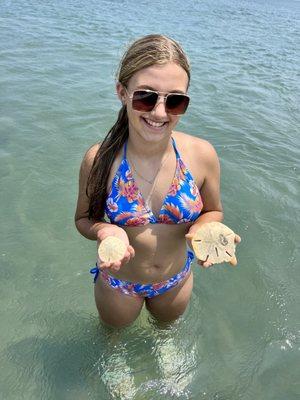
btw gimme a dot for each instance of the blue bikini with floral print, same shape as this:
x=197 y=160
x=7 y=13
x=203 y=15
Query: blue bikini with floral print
x=126 y=206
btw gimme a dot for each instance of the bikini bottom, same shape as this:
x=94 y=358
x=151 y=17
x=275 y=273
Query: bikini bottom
x=144 y=290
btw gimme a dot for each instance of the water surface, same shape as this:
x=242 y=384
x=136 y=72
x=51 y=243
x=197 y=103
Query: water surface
x=239 y=339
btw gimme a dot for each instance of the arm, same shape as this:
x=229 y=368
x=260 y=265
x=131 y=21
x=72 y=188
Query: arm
x=89 y=228
x=210 y=191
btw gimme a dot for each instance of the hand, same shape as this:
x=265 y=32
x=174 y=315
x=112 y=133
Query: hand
x=207 y=264
x=118 y=232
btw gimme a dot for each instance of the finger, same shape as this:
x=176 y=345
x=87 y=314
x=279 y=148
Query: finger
x=103 y=264
x=237 y=239
x=126 y=258
x=131 y=251
x=189 y=236
x=233 y=261
x=106 y=264
x=205 y=264
x=200 y=263
x=116 y=265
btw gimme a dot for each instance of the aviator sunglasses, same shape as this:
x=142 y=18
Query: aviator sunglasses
x=146 y=100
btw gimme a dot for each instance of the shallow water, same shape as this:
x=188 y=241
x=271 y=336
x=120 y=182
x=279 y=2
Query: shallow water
x=239 y=339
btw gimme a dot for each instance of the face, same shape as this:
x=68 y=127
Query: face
x=157 y=124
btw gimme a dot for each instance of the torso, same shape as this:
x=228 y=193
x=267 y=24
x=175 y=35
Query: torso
x=160 y=249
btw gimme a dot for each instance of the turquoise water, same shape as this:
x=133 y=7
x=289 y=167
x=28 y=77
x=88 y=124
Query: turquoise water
x=239 y=339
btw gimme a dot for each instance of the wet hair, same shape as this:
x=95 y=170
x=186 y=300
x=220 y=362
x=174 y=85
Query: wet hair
x=145 y=52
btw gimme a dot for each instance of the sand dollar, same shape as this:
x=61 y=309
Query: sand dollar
x=111 y=249
x=214 y=242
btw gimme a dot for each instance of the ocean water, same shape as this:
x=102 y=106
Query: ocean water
x=239 y=338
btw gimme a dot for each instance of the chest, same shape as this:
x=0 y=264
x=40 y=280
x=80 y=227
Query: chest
x=155 y=191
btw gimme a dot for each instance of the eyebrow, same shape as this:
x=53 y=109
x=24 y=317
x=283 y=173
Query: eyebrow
x=155 y=90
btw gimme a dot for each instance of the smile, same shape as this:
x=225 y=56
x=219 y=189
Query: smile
x=154 y=124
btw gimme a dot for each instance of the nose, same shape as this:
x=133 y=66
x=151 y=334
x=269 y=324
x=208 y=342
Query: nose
x=159 y=111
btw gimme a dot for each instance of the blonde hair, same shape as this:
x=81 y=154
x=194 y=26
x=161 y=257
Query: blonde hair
x=150 y=50
x=144 y=52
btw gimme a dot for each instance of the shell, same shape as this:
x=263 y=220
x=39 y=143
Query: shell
x=111 y=249
x=214 y=242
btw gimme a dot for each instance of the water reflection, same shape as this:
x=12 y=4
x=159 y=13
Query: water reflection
x=74 y=356
x=203 y=355
x=148 y=360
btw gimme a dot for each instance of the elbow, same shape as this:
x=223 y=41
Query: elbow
x=221 y=216
x=78 y=223
x=220 y=212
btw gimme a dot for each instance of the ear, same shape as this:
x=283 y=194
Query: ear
x=121 y=92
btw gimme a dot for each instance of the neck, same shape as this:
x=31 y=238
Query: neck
x=144 y=149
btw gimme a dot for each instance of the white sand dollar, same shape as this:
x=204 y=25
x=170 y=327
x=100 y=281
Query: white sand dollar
x=214 y=242
x=111 y=249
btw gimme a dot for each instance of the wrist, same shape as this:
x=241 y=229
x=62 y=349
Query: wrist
x=107 y=230
x=209 y=216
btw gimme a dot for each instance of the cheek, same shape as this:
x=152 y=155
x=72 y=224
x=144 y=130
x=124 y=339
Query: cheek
x=174 y=119
x=129 y=109
x=133 y=115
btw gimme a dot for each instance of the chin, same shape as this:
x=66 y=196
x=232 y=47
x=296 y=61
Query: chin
x=155 y=137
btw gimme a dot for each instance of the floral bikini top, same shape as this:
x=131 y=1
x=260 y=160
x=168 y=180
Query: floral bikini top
x=125 y=204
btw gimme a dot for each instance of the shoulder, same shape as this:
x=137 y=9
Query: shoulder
x=195 y=149
x=91 y=153
x=89 y=157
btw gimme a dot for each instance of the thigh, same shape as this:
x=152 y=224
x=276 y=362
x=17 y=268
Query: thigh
x=171 y=304
x=115 y=308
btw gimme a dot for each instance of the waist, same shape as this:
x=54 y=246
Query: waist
x=160 y=252
x=185 y=267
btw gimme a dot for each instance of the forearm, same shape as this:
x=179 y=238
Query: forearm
x=208 y=216
x=90 y=228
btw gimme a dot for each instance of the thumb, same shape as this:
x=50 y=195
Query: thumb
x=237 y=239
x=189 y=236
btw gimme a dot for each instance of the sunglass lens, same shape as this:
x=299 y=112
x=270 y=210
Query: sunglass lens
x=143 y=100
x=177 y=103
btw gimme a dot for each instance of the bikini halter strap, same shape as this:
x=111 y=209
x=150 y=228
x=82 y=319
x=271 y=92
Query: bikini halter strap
x=175 y=148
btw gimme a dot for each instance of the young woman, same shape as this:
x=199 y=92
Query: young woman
x=153 y=183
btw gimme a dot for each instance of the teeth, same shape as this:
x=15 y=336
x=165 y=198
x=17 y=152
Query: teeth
x=155 y=124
